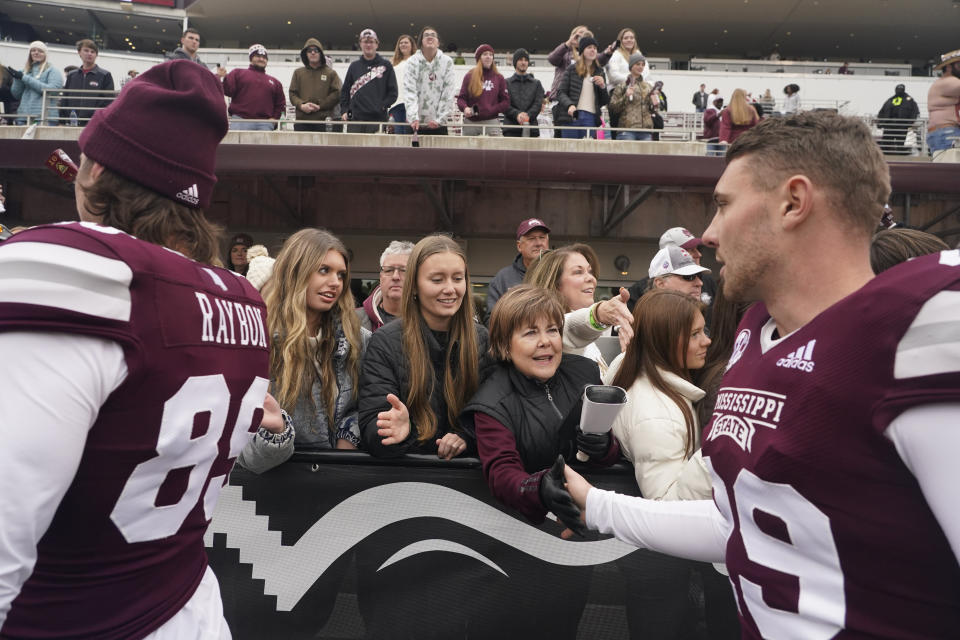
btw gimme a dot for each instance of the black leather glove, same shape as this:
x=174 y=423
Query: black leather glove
x=16 y=74
x=555 y=498
x=594 y=445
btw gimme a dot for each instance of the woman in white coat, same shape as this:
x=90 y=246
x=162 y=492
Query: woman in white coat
x=659 y=432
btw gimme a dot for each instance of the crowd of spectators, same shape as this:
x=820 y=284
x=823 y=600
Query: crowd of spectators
x=415 y=91
x=412 y=369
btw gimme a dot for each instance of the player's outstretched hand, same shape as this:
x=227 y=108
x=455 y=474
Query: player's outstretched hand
x=578 y=488
x=555 y=498
x=272 y=420
x=393 y=425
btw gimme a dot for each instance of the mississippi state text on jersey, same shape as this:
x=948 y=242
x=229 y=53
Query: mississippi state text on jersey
x=124 y=551
x=831 y=534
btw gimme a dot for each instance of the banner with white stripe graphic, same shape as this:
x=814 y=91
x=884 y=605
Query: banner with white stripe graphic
x=340 y=545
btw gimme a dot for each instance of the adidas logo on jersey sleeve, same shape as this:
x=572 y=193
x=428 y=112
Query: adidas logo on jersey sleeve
x=801 y=359
x=191 y=194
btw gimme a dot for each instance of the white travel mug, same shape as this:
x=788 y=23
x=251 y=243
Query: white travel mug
x=602 y=404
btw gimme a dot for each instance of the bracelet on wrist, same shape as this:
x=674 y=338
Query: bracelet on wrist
x=594 y=321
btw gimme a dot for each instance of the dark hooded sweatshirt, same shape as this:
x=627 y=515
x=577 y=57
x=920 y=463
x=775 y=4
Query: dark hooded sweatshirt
x=369 y=89
x=320 y=86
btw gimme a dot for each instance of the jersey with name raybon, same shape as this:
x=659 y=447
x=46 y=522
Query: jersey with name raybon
x=129 y=530
x=830 y=535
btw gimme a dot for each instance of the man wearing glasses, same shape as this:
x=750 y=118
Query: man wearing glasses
x=429 y=86
x=674 y=268
x=314 y=89
x=369 y=88
x=683 y=238
x=383 y=303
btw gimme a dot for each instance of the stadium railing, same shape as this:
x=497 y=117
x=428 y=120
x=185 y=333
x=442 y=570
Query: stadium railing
x=895 y=137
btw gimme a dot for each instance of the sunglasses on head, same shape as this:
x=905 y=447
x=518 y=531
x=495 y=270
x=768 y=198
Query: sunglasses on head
x=690 y=278
x=313 y=50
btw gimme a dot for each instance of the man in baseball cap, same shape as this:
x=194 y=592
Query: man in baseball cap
x=685 y=239
x=254 y=94
x=681 y=237
x=533 y=240
x=674 y=268
x=369 y=88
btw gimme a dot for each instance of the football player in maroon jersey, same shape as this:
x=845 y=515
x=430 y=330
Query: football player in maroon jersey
x=831 y=445
x=134 y=373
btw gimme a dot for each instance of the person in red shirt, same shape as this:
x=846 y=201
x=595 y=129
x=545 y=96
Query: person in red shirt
x=483 y=95
x=254 y=94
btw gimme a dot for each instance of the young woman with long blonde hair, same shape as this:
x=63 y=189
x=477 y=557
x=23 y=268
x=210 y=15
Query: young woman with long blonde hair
x=420 y=370
x=316 y=346
x=29 y=84
x=402 y=52
x=483 y=95
x=618 y=58
x=738 y=117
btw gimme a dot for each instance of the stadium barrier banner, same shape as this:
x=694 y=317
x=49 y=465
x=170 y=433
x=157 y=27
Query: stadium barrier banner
x=342 y=545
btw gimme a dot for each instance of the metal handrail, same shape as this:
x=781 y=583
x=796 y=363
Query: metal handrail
x=895 y=137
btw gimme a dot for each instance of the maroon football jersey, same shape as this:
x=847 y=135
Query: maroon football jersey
x=831 y=534
x=124 y=551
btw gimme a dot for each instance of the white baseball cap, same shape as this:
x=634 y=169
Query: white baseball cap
x=676 y=261
x=679 y=237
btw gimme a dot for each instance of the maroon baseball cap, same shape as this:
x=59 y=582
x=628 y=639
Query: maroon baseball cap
x=529 y=225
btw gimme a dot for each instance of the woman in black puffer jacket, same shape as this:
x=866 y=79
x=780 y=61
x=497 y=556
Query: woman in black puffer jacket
x=419 y=370
x=574 y=105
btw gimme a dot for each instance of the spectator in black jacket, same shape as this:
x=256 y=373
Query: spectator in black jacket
x=370 y=86
x=526 y=98
x=10 y=103
x=896 y=116
x=189 y=46
x=421 y=369
x=89 y=77
x=575 y=105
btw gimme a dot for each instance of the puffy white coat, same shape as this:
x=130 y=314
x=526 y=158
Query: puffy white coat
x=652 y=435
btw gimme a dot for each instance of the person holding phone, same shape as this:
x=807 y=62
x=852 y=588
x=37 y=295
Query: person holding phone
x=630 y=102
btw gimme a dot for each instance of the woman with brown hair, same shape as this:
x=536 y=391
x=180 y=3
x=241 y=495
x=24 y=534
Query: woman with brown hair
x=519 y=413
x=890 y=247
x=659 y=431
x=739 y=116
x=236 y=257
x=406 y=47
x=524 y=415
x=419 y=370
x=29 y=84
x=571 y=272
x=582 y=92
x=483 y=95
x=316 y=347
x=618 y=55
x=660 y=434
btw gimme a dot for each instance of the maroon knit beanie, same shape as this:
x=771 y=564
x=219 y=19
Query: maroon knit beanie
x=162 y=131
x=480 y=50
